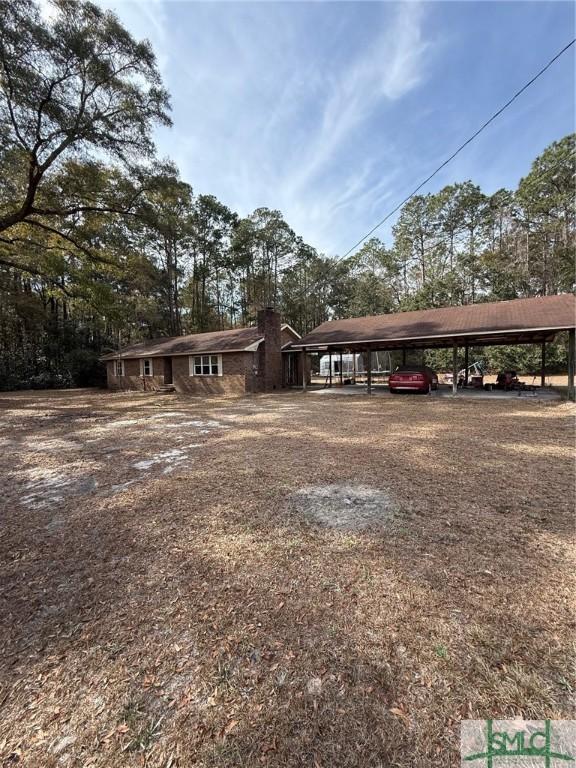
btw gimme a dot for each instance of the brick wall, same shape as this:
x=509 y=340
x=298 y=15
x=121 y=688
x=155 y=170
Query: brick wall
x=132 y=378
x=242 y=372
x=269 y=352
x=235 y=380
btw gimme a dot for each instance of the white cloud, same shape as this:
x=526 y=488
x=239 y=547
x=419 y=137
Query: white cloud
x=270 y=110
x=47 y=9
x=389 y=68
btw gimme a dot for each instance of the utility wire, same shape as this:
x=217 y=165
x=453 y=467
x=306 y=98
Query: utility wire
x=457 y=152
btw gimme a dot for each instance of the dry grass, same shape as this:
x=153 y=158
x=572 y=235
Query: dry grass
x=164 y=604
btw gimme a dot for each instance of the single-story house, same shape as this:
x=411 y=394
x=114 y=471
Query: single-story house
x=255 y=359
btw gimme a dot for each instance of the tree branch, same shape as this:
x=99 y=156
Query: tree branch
x=86 y=251
x=35 y=271
x=9 y=103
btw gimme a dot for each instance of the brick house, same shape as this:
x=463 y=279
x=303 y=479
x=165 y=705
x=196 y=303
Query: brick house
x=256 y=359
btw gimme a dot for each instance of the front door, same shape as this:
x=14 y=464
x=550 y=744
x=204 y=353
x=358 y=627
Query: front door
x=167 y=370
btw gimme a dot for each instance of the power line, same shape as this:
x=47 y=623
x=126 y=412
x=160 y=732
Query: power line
x=460 y=148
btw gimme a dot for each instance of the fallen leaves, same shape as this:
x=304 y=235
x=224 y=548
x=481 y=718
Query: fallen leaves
x=199 y=620
x=229 y=727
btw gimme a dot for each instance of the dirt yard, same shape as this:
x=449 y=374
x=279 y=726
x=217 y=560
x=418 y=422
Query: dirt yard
x=285 y=581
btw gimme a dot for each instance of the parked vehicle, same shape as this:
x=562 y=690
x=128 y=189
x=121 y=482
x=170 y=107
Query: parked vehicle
x=413 y=378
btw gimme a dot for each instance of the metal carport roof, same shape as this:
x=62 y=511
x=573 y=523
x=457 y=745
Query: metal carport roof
x=504 y=322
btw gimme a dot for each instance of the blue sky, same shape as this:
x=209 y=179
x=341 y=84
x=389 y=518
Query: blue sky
x=333 y=112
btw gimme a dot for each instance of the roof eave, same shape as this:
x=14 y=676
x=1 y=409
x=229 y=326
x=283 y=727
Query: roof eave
x=286 y=327
x=127 y=356
x=399 y=339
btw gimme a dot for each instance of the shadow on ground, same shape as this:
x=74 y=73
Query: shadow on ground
x=198 y=619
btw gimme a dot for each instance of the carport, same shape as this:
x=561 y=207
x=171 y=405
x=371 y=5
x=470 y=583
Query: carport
x=519 y=321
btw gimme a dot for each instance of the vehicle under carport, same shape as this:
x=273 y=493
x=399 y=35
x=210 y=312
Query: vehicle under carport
x=534 y=320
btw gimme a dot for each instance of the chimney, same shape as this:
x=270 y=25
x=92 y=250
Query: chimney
x=271 y=349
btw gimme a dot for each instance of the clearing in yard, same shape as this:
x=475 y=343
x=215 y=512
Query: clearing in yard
x=283 y=580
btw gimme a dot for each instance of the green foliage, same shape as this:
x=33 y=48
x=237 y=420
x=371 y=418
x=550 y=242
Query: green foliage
x=79 y=98
x=101 y=244
x=524 y=358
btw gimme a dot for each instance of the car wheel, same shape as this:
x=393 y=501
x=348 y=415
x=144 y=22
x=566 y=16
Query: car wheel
x=392 y=390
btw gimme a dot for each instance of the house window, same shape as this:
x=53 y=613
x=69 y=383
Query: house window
x=146 y=367
x=206 y=365
x=119 y=368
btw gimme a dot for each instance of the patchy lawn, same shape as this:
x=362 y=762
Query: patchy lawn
x=284 y=581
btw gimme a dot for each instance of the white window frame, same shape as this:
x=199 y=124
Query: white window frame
x=197 y=365
x=119 y=368
x=143 y=362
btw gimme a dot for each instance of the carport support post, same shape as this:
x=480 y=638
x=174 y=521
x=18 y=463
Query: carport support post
x=454 y=368
x=571 y=350
x=543 y=366
x=303 y=361
x=330 y=366
x=341 y=374
x=466 y=364
x=369 y=373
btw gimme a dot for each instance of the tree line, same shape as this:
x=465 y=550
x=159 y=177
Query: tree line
x=102 y=243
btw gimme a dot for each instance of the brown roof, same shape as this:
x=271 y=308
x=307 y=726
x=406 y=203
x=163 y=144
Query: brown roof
x=519 y=319
x=235 y=340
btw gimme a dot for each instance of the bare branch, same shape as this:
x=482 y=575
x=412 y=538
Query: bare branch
x=9 y=96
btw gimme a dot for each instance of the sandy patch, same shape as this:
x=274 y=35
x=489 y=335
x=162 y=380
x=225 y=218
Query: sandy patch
x=50 y=486
x=345 y=506
x=183 y=620
x=168 y=459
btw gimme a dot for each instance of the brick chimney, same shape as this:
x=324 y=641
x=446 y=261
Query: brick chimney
x=270 y=350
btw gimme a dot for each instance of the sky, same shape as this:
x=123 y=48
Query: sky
x=332 y=112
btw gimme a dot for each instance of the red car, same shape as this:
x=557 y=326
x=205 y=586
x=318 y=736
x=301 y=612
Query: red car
x=413 y=378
